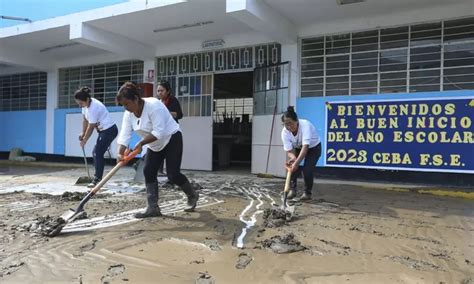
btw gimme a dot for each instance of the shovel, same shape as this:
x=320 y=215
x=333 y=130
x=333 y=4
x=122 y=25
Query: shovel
x=87 y=179
x=72 y=214
x=285 y=206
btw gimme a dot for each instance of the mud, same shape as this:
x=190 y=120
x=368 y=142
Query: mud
x=349 y=233
x=72 y=196
x=205 y=278
x=46 y=226
x=243 y=260
x=212 y=244
x=275 y=217
x=283 y=244
x=112 y=272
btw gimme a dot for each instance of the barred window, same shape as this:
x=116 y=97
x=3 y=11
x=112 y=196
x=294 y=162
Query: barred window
x=25 y=91
x=103 y=79
x=189 y=76
x=424 y=57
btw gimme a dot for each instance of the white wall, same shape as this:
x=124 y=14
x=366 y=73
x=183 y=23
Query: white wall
x=261 y=126
x=231 y=40
x=74 y=128
x=435 y=13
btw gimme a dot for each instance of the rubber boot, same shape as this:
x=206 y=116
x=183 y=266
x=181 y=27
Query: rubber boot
x=192 y=195
x=152 y=209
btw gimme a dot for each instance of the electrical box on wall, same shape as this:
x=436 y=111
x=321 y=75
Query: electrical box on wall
x=146 y=90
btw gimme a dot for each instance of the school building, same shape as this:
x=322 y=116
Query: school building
x=388 y=84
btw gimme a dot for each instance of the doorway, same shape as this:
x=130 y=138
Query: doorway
x=232 y=121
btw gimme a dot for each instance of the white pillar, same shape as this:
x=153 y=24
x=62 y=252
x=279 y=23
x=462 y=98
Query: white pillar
x=289 y=52
x=51 y=105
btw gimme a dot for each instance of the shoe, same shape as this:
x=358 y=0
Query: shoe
x=193 y=196
x=291 y=194
x=93 y=183
x=305 y=196
x=152 y=209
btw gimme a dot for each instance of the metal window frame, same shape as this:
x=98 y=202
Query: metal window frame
x=408 y=32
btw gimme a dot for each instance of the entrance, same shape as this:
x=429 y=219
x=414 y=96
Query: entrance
x=232 y=119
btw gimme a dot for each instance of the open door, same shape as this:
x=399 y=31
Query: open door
x=271 y=98
x=195 y=94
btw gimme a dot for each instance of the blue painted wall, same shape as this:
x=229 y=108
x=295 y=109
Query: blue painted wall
x=23 y=129
x=314 y=109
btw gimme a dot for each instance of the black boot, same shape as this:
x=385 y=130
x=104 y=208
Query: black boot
x=192 y=195
x=152 y=209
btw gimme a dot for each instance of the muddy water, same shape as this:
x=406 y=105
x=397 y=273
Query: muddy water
x=349 y=234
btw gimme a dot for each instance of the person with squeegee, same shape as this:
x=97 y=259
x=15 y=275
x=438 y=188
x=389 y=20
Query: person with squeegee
x=95 y=115
x=152 y=121
x=301 y=142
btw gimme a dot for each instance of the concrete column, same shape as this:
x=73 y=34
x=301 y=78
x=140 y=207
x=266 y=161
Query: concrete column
x=289 y=52
x=51 y=105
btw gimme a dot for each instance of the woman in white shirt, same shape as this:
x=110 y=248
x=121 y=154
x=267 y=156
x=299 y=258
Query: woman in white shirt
x=95 y=115
x=158 y=130
x=301 y=142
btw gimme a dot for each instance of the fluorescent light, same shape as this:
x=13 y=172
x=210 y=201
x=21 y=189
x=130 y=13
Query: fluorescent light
x=59 y=46
x=16 y=18
x=198 y=24
x=347 y=2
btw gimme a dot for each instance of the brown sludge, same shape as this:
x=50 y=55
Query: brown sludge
x=358 y=234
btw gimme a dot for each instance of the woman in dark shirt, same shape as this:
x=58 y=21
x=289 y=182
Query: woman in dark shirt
x=171 y=102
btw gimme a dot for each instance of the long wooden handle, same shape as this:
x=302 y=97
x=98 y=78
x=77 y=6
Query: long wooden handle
x=287 y=181
x=125 y=160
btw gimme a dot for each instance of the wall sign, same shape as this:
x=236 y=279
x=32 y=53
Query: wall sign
x=433 y=134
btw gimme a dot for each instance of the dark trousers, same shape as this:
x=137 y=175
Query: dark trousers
x=308 y=167
x=103 y=142
x=173 y=153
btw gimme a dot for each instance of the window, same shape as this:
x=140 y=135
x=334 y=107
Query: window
x=103 y=79
x=189 y=79
x=25 y=91
x=417 y=58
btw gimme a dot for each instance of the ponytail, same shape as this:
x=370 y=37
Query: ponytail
x=289 y=113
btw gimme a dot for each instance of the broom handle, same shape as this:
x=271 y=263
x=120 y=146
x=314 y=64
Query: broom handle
x=85 y=161
x=128 y=157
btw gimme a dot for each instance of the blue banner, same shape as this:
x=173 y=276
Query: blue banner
x=422 y=135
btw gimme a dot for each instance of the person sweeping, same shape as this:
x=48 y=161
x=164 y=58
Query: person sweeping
x=95 y=115
x=301 y=142
x=152 y=121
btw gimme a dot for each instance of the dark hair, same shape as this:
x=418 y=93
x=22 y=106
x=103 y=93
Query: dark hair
x=129 y=90
x=165 y=84
x=289 y=113
x=83 y=93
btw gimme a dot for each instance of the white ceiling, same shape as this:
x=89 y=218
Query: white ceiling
x=309 y=12
x=32 y=43
x=140 y=26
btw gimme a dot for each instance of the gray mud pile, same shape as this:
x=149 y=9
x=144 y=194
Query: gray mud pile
x=283 y=244
x=45 y=226
x=275 y=217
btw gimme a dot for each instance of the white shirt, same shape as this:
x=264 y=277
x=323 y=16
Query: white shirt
x=306 y=135
x=155 y=120
x=97 y=113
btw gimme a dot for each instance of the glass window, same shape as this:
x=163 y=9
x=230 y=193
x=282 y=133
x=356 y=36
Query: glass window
x=103 y=79
x=26 y=91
